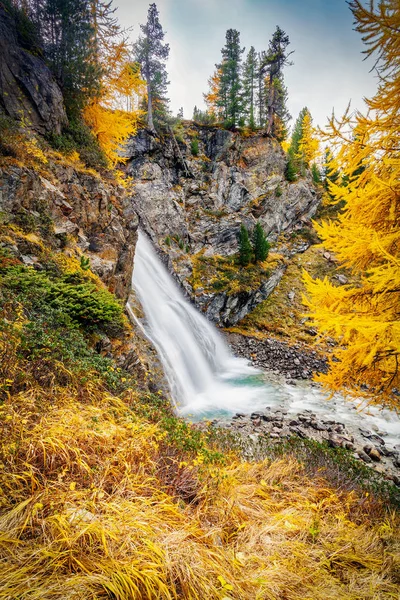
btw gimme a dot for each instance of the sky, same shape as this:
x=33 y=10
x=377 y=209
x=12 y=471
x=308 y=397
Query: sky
x=328 y=71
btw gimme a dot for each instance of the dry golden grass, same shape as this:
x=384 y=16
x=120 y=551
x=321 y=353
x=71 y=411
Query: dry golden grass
x=90 y=507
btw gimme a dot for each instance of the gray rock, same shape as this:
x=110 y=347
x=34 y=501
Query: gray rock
x=364 y=456
x=28 y=90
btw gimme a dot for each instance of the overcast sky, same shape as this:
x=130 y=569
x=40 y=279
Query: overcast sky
x=328 y=69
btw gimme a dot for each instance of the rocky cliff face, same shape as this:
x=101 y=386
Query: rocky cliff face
x=75 y=211
x=198 y=186
x=28 y=91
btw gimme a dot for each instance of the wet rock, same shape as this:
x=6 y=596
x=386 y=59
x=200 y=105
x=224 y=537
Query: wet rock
x=342 y=279
x=364 y=456
x=375 y=454
x=335 y=441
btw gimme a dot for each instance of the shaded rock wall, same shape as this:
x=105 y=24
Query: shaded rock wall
x=28 y=91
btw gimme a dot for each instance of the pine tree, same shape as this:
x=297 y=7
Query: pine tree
x=261 y=92
x=316 y=174
x=112 y=114
x=68 y=38
x=245 y=248
x=249 y=85
x=260 y=244
x=281 y=115
x=229 y=92
x=275 y=59
x=290 y=170
x=364 y=317
x=151 y=52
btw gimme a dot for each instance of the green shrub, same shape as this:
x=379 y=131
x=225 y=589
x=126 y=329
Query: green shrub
x=278 y=191
x=168 y=240
x=195 y=146
x=79 y=138
x=85 y=263
x=86 y=305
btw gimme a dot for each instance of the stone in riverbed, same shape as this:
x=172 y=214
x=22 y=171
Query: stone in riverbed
x=364 y=456
x=373 y=453
x=335 y=441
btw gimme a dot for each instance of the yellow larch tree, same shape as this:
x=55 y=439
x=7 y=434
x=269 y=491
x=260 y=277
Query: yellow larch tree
x=212 y=96
x=363 y=318
x=308 y=143
x=113 y=113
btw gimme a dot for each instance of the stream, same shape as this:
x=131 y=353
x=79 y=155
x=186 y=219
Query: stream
x=207 y=381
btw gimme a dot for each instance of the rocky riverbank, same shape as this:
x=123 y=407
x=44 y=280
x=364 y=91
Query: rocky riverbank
x=294 y=362
x=278 y=424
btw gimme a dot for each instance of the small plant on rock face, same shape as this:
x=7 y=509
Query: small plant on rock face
x=195 y=146
x=85 y=263
x=168 y=240
x=278 y=191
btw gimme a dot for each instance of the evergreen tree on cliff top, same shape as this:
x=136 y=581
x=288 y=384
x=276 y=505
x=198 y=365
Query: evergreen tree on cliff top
x=230 y=86
x=249 y=83
x=275 y=59
x=151 y=53
x=67 y=33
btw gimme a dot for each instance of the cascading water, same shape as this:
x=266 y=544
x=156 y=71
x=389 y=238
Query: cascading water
x=203 y=375
x=205 y=379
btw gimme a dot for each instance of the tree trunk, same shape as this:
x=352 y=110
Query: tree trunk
x=270 y=106
x=150 y=123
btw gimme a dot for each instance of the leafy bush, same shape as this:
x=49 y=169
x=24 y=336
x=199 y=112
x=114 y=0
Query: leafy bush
x=86 y=305
x=77 y=137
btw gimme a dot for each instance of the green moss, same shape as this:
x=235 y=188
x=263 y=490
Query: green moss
x=223 y=273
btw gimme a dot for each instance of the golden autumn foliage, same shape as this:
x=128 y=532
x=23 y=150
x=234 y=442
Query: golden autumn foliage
x=211 y=98
x=113 y=114
x=95 y=504
x=308 y=143
x=364 y=319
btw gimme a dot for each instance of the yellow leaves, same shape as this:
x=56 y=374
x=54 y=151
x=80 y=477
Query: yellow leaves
x=224 y=584
x=309 y=143
x=111 y=127
x=366 y=235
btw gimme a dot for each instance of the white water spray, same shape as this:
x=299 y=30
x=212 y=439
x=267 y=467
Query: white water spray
x=203 y=375
x=205 y=379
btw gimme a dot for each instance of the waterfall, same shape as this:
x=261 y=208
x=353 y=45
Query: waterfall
x=205 y=379
x=202 y=373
